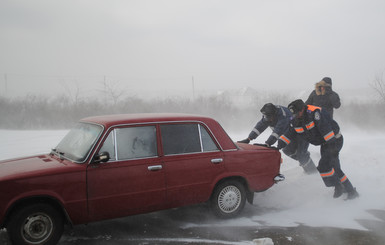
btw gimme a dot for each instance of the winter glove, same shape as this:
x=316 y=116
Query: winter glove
x=244 y=141
x=280 y=145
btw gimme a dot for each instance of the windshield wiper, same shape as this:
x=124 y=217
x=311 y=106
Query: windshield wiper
x=60 y=154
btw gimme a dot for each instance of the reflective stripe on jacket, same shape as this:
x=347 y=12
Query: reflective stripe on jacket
x=316 y=126
x=279 y=126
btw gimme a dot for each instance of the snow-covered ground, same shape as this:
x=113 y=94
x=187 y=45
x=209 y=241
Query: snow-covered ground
x=300 y=199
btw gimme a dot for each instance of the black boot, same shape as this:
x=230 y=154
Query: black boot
x=352 y=194
x=338 y=191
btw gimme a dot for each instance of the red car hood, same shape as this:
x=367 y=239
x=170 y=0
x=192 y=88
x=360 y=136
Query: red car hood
x=34 y=165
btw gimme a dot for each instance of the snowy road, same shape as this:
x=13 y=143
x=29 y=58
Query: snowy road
x=194 y=225
x=289 y=213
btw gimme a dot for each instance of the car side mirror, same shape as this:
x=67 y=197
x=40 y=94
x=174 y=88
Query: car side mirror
x=102 y=157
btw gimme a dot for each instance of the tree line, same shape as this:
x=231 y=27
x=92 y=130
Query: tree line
x=39 y=112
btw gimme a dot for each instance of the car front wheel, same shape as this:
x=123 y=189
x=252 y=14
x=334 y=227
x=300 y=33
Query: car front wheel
x=228 y=199
x=35 y=224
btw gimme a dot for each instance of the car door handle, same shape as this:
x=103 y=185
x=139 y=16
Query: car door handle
x=155 y=167
x=216 y=160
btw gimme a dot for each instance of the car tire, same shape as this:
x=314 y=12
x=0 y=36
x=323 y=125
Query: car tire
x=36 y=224
x=228 y=199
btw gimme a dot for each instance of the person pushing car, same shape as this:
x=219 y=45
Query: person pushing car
x=278 y=119
x=315 y=125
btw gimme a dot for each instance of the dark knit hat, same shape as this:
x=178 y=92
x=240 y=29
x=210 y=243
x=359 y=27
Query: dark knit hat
x=327 y=80
x=296 y=106
x=269 y=110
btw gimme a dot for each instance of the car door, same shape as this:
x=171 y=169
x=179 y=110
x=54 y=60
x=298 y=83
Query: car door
x=133 y=180
x=192 y=161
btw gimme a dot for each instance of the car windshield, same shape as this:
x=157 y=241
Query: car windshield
x=77 y=144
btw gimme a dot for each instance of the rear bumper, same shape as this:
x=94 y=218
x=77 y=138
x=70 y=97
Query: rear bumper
x=279 y=178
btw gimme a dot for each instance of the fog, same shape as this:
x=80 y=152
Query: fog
x=64 y=60
x=236 y=110
x=152 y=48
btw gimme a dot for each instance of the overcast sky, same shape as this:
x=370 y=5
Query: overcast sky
x=142 y=44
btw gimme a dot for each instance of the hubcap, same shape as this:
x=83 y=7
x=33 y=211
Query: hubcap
x=229 y=199
x=37 y=228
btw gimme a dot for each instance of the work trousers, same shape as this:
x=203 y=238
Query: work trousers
x=297 y=150
x=329 y=165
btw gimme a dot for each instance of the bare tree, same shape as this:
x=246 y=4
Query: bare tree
x=379 y=86
x=72 y=92
x=112 y=91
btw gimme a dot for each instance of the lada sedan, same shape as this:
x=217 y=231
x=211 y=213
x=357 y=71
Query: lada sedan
x=119 y=165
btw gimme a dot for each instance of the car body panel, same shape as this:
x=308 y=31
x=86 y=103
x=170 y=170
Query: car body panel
x=189 y=177
x=121 y=188
x=44 y=176
x=260 y=168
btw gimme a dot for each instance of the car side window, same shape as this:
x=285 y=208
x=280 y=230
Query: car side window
x=207 y=142
x=131 y=143
x=136 y=142
x=185 y=138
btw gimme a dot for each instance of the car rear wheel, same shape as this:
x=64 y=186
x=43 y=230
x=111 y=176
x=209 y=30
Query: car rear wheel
x=228 y=199
x=35 y=224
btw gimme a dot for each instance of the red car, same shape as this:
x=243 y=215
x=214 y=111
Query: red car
x=119 y=165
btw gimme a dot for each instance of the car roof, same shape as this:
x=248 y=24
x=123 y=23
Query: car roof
x=118 y=119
